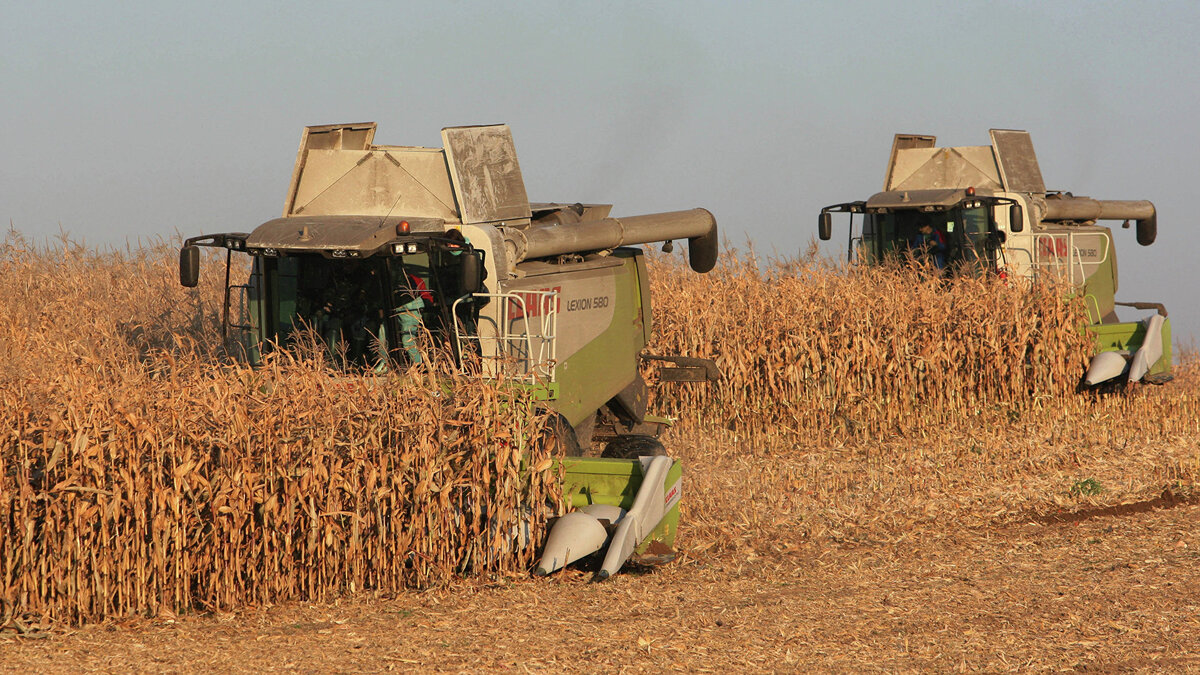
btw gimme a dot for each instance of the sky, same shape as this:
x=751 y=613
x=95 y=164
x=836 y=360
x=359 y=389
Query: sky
x=127 y=122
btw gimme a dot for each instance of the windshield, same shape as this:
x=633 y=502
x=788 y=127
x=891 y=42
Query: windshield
x=368 y=313
x=949 y=239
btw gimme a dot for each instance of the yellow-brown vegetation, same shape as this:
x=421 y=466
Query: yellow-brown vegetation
x=809 y=349
x=137 y=475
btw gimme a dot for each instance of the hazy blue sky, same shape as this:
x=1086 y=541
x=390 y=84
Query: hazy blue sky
x=127 y=121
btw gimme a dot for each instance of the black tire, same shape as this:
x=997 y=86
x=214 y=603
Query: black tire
x=583 y=436
x=633 y=446
x=564 y=435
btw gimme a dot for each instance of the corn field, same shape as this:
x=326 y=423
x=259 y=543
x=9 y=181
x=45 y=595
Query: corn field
x=808 y=349
x=137 y=477
x=141 y=474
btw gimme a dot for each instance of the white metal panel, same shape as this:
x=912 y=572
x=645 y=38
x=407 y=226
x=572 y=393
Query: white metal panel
x=485 y=174
x=943 y=168
x=1019 y=170
x=411 y=182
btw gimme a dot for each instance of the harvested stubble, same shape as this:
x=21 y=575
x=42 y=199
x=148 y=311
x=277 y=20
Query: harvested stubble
x=812 y=350
x=137 y=478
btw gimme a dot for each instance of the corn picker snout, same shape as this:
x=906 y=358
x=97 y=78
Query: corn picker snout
x=383 y=251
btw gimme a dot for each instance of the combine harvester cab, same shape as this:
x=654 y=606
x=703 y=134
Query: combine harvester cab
x=381 y=247
x=985 y=210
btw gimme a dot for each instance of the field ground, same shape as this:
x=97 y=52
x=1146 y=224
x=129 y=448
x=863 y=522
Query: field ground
x=1089 y=588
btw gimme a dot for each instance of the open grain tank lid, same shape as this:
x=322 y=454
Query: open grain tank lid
x=475 y=178
x=1008 y=164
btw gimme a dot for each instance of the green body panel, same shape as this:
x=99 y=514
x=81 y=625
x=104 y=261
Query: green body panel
x=1100 y=288
x=608 y=363
x=645 y=312
x=1128 y=336
x=543 y=391
x=595 y=480
x=1099 y=282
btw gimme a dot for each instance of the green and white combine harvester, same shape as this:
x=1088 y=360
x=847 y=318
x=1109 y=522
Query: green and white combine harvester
x=985 y=210
x=381 y=247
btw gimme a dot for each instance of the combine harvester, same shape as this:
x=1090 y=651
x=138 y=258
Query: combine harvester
x=381 y=247
x=985 y=210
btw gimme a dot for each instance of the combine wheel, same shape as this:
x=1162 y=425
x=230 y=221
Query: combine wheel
x=583 y=436
x=564 y=436
x=633 y=446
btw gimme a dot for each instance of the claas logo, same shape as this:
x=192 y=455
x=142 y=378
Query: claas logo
x=1052 y=248
x=533 y=304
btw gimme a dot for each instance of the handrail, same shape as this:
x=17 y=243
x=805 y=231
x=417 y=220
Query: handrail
x=1074 y=263
x=523 y=344
x=243 y=308
x=1095 y=302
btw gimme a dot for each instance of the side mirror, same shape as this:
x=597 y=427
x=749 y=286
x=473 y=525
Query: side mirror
x=471 y=273
x=825 y=226
x=189 y=266
x=1016 y=218
x=1147 y=230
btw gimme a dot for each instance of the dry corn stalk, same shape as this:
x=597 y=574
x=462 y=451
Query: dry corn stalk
x=137 y=477
x=808 y=349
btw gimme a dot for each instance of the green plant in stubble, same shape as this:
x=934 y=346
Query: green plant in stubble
x=1088 y=487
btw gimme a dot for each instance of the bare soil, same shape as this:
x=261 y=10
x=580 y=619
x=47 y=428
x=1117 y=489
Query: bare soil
x=1109 y=589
